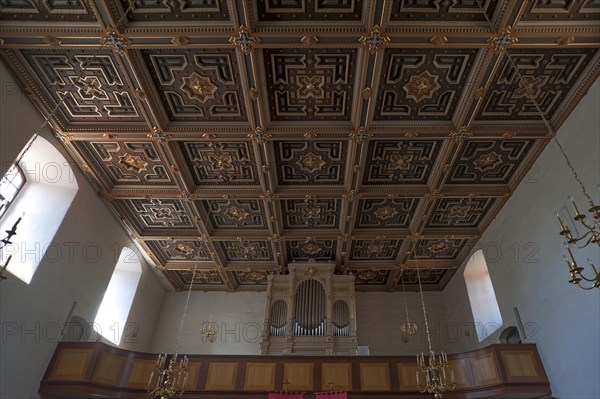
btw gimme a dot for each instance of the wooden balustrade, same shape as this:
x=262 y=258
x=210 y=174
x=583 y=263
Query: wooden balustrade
x=89 y=370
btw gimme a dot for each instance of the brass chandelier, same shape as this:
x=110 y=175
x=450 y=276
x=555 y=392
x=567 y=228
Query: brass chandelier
x=170 y=374
x=209 y=331
x=433 y=370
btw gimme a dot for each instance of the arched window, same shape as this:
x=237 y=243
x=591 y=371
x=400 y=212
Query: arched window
x=484 y=304
x=114 y=310
x=46 y=193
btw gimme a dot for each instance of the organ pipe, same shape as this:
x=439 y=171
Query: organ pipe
x=309 y=314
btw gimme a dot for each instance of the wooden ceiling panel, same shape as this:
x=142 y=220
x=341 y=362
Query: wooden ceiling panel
x=422 y=84
x=199 y=85
x=547 y=73
x=127 y=164
x=400 y=162
x=310 y=85
x=76 y=11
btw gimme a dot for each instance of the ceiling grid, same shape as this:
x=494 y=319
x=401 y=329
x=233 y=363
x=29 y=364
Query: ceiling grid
x=247 y=135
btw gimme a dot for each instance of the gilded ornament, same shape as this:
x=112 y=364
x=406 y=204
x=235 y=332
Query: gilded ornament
x=486 y=161
x=222 y=162
x=375 y=40
x=310 y=86
x=184 y=249
x=385 y=212
x=311 y=212
x=311 y=248
x=259 y=136
x=90 y=87
x=158 y=135
x=462 y=134
x=237 y=213
x=52 y=41
x=162 y=213
x=437 y=247
x=566 y=40
x=244 y=40
x=503 y=40
x=421 y=86
x=459 y=211
x=116 y=42
x=199 y=87
x=367 y=275
x=253 y=94
x=400 y=162
x=477 y=94
x=133 y=162
x=439 y=40
x=309 y=40
x=255 y=276
x=361 y=135
x=180 y=40
x=311 y=162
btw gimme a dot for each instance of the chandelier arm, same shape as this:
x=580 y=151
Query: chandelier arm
x=586 y=288
x=574 y=241
x=588 y=226
x=591 y=280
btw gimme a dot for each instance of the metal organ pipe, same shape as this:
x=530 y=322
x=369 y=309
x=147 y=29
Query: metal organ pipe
x=278 y=318
x=341 y=320
x=309 y=313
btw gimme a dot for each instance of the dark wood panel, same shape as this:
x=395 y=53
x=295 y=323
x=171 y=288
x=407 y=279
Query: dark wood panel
x=494 y=371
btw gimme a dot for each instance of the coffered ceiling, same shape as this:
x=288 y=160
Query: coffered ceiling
x=247 y=135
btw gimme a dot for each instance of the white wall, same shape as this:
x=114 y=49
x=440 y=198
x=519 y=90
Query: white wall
x=240 y=318
x=238 y=315
x=31 y=316
x=562 y=319
x=381 y=314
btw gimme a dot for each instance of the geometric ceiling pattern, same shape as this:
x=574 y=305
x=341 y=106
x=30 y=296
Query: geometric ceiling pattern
x=242 y=136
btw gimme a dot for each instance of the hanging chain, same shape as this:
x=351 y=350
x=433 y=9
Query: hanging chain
x=415 y=242
x=213 y=308
x=404 y=296
x=187 y=301
x=402 y=275
x=531 y=96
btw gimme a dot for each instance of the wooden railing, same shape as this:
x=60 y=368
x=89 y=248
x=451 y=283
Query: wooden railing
x=89 y=370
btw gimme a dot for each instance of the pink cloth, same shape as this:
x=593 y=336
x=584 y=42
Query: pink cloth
x=286 y=395
x=331 y=395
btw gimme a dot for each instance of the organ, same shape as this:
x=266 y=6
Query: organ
x=310 y=311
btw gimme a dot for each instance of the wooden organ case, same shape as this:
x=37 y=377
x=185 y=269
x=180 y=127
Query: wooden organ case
x=310 y=311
